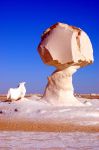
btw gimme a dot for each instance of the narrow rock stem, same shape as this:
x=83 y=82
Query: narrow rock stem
x=59 y=90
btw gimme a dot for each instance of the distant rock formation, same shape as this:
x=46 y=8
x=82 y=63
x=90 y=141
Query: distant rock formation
x=67 y=48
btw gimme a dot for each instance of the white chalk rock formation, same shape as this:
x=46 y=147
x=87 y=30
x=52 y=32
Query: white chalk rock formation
x=67 y=48
x=16 y=93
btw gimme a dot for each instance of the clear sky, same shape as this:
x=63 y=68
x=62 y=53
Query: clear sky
x=21 y=25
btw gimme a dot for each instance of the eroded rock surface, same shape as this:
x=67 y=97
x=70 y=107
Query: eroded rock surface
x=63 y=45
x=67 y=48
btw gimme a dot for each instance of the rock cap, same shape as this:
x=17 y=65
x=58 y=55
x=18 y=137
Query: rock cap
x=63 y=45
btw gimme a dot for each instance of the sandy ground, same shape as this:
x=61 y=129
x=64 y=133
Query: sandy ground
x=31 y=114
x=87 y=96
x=3 y=97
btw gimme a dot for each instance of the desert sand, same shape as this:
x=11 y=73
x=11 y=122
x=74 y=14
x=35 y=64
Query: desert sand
x=32 y=114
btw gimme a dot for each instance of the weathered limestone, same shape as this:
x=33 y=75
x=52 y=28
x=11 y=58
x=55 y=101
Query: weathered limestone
x=67 y=48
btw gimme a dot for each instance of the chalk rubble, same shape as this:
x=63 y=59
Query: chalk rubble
x=67 y=48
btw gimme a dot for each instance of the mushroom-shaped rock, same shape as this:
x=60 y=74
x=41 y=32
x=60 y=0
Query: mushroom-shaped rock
x=67 y=48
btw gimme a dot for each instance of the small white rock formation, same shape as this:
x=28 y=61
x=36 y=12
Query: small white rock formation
x=67 y=48
x=17 y=93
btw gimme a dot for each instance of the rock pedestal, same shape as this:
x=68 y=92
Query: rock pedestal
x=67 y=48
x=59 y=90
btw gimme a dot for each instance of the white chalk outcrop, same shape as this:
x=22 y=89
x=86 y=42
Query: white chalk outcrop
x=67 y=48
x=17 y=93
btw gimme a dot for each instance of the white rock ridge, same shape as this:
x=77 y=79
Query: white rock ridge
x=67 y=48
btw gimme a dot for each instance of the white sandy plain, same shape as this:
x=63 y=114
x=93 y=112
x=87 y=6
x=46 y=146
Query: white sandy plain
x=28 y=112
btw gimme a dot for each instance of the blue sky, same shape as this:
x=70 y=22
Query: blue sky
x=21 y=25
